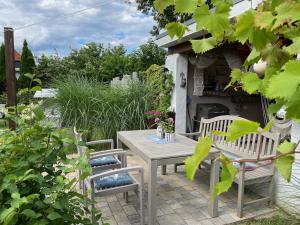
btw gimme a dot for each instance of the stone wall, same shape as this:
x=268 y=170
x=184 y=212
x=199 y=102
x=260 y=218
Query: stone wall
x=125 y=80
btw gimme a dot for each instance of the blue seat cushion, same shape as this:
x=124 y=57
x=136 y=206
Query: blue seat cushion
x=248 y=165
x=116 y=180
x=106 y=160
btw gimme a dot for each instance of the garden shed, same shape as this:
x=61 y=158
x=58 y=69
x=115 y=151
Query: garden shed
x=200 y=80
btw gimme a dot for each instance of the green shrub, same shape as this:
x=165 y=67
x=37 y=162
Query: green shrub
x=36 y=185
x=101 y=109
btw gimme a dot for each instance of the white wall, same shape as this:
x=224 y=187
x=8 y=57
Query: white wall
x=177 y=64
x=288 y=194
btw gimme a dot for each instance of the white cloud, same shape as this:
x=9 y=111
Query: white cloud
x=57 y=26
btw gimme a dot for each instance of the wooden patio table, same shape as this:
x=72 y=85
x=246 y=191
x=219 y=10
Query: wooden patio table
x=155 y=155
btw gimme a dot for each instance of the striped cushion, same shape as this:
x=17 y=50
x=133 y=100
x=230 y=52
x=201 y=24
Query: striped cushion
x=116 y=180
x=106 y=160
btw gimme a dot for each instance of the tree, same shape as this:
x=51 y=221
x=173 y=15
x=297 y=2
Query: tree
x=114 y=63
x=146 y=55
x=161 y=18
x=2 y=68
x=27 y=66
x=272 y=32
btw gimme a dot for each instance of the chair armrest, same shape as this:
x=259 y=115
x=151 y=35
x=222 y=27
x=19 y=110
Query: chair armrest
x=111 y=141
x=105 y=151
x=111 y=153
x=190 y=134
x=140 y=169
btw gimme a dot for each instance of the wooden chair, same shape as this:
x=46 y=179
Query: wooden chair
x=99 y=160
x=248 y=147
x=115 y=181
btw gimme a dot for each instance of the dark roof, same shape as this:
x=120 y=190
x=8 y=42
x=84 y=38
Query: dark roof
x=17 y=56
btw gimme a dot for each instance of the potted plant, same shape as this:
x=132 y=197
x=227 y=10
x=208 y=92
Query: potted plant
x=168 y=127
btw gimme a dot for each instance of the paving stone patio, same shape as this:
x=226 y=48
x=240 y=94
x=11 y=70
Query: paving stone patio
x=180 y=201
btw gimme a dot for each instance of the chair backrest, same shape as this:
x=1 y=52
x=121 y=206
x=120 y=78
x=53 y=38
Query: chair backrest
x=251 y=145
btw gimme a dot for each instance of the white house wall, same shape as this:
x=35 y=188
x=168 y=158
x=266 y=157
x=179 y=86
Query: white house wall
x=177 y=64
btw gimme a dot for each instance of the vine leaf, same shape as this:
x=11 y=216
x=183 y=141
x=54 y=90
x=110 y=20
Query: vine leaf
x=287 y=81
x=252 y=58
x=217 y=22
x=176 y=29
x=247 y=31
x=203 y=45
x=238 y=128
x=227 y=176
x=235 y=75
x=184 y=6
x=161 y=5
x=251 y=82
x=284 y=163
x=294 y=48
x=268 y=126
x=201 y=152
x=264 y=19
x=293 y=106
x=287 y=11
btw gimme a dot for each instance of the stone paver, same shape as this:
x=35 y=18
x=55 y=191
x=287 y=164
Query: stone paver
x=180 y=201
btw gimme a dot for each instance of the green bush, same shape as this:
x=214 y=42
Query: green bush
x=101 y=109
x=36 y=185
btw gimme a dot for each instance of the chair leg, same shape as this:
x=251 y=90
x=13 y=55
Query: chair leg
x=271 y=190
x=141 y=194
x=241 y=188
x=125 y=195
x=164 y=170
x=93 y=204
x=175 y=168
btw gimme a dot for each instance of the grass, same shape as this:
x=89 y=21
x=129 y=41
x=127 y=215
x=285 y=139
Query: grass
x=101 y=109
x=282 y=219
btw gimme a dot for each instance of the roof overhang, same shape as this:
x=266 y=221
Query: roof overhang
x=240 y=6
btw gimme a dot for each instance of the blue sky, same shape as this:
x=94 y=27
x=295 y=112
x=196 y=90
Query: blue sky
x=58 y=25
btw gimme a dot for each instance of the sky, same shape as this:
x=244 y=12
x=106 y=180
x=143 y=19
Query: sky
x=52 y=26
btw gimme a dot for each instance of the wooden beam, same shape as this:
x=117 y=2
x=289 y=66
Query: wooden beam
x=10 y=72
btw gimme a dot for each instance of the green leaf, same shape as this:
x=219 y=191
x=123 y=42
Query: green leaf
x=217 y=22
x=251 y=82
x=293 y=106
x=227 y=176
x=275 y=107
x=238 y=128
x=285 y=84
x=235 y=75
x=161 y=5
x=252 y=58
x=54 y=215
x=294 y=48
x=268 y=126
x=286 y=147
x=184 y=6
x=284 y=166
x=29 y=75
x=37 y=80
x=264 y=19
x=287 y=12
x=7 y=216
x=36 y=88
x=203 y=45
x=246 y=31
x=176 y=29
x=31 y=214
x=201 y=152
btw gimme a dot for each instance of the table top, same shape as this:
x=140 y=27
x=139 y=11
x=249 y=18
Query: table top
x=139 y=141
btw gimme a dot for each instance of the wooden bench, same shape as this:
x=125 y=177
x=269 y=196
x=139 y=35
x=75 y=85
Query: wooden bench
x=250 y=147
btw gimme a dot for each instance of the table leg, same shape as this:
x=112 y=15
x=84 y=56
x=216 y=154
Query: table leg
x=119 y=143
x=152 y=192
x=214 y=179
